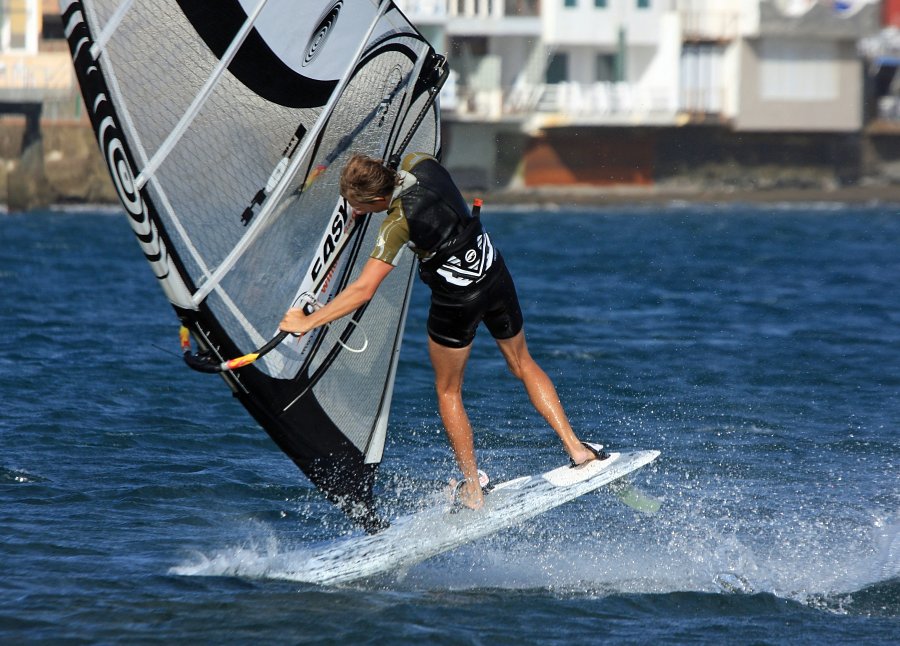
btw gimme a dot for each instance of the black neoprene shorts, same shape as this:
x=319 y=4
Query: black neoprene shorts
x=452 y=321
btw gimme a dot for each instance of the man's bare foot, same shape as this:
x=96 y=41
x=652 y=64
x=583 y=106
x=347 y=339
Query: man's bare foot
x=469 y=494
x=454 y=486
x=586 y=454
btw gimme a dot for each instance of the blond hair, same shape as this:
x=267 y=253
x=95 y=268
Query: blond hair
x=366 y=180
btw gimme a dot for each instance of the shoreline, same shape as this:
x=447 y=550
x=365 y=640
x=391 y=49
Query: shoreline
x=667 y=196
x=67 y=168
x=557 y=197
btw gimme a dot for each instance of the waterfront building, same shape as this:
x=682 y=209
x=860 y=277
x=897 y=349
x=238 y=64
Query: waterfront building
x=35 y=67
x=592 y=92
x=620 y=75
x=47 y=152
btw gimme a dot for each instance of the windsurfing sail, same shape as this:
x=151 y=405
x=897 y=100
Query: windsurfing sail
x=225 y=126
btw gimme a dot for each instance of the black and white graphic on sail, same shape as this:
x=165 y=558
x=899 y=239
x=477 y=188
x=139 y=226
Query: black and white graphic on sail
x=225 y=125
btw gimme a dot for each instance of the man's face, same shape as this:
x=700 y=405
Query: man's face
x=361 y=208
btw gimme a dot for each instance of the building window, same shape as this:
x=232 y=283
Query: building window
x=461 y=47
x=52 y=27
x=558 y=68
x=643 y=4
x=17 y=16
x=570 y=3
x=798 y=70
x=605 y=68
x=702 y=89
x=600 y=4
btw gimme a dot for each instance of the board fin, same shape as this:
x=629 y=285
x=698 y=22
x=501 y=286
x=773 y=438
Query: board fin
x=633 y=497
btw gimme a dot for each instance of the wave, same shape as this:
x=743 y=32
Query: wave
x=630 y=555
x=18 y=476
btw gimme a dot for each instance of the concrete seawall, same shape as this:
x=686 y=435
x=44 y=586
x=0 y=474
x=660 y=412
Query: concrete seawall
x=63 y=166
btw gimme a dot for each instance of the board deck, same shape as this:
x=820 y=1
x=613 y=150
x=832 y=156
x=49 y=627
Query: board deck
x=413 y=538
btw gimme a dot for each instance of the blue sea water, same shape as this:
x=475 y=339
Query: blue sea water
x=757 y=347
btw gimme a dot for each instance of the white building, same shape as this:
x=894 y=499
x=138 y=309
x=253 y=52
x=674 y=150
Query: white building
x=29 y=71
x=776 y=65
x=594 y=91
x=756 y=64
x=20 y=25
x=611 y=61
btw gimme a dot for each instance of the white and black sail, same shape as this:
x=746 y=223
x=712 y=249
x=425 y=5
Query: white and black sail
x=225 y=125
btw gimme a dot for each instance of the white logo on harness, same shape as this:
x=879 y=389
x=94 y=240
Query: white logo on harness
x=453 y=273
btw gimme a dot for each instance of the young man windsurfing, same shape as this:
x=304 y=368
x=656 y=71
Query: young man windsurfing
x=469 y=283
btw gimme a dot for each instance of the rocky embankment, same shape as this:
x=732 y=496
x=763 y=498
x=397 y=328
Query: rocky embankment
x=64 y=166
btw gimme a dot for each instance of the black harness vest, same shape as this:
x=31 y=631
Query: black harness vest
x=455 y=252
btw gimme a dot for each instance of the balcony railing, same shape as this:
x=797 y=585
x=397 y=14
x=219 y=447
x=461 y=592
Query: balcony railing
x=584 y=102
x=35 y=77
x=710 y=25
x=432 y=10
x=421 y=10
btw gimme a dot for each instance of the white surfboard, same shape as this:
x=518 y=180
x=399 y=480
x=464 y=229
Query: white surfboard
x=419 y=536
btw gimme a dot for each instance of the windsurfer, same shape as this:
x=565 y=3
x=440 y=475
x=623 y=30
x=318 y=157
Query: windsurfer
x=469 y=283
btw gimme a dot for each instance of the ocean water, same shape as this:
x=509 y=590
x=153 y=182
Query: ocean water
x=758 y=347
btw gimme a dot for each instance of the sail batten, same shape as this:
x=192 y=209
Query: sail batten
x=225 y=128
x=271 y=201
x=109 y=28
x=199 y=100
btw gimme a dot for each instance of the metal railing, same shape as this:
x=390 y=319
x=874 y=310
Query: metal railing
x=722 y=25
x=423 y=9
x=49 y=72
x=442 y=9
x=593 y=101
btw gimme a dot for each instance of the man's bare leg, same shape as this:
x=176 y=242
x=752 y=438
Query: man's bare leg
x=449 y=367
x=542 y=394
